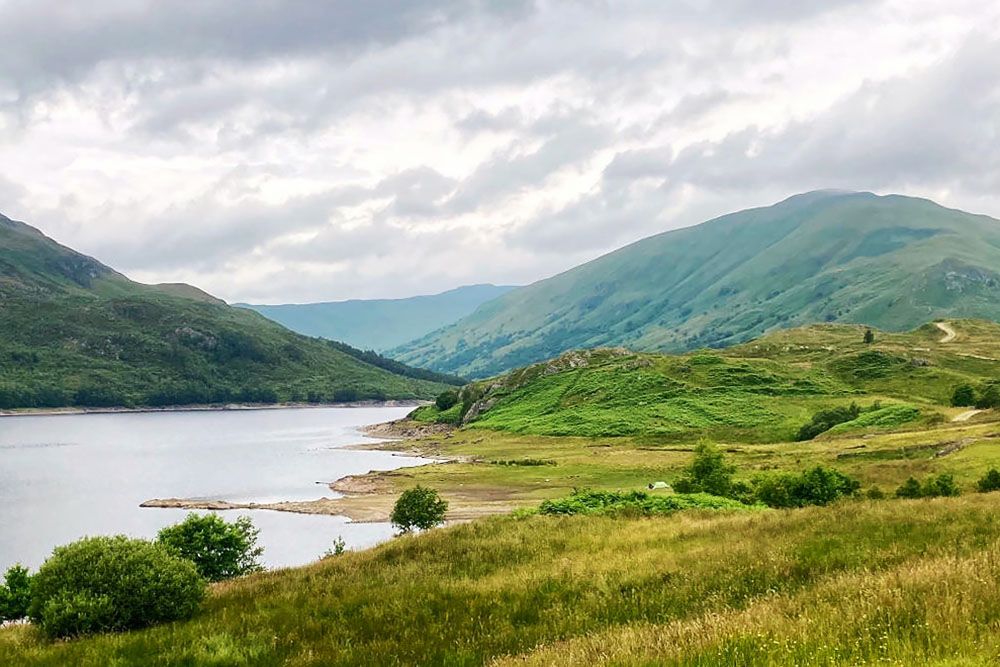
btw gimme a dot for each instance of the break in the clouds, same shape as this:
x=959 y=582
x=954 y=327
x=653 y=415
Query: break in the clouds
x=295 y=151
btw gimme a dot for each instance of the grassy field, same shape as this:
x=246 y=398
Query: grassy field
x=888 y=582
x=760 y=392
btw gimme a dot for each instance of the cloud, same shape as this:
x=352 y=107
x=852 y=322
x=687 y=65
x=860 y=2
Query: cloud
x=288 y=151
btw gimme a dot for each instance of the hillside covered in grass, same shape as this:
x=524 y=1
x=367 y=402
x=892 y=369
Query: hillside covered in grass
x=77 y=333
x=896 y=582
x=892 y=262
x=763 y=391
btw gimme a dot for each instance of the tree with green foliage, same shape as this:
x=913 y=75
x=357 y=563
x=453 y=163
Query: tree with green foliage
x=989 y=482
x=15 y=594
x=101 y=584
x=816 y=486
x=708 y=472
x=963 y=396
x=932 y=487
x=419 y=507
x=824 y=420
x=220 y=550
x=446 y=400
x=990 y=397
x=869 y=336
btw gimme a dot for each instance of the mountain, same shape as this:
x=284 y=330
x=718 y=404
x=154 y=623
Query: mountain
x=380 y=324
x=829 y=256
x=76 y=332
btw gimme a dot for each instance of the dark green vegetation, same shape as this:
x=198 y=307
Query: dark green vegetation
x=99 y=584
x=817 y=381
x=932 y=487
x=634 y=503
x=899 y=582
x=891 y=262
x=77 y=333
x=220 y=550
x=381 y=324
x=15 y=594
x=419 y=508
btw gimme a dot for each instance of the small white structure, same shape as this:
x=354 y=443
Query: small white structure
x=658 y=485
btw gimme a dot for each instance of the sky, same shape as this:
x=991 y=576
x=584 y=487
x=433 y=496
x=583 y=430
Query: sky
x=274 y=152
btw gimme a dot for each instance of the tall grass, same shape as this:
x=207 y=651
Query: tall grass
x=854 y=582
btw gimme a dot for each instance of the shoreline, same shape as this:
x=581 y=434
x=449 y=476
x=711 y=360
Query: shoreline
x=231 y=407
x=363 y=498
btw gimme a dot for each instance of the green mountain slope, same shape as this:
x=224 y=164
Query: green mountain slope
x=763 y=391
x=75 y=332
x=381 y=324
x=893 y=262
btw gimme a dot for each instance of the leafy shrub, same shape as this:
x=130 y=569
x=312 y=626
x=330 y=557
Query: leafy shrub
x=932 y=487
x=989 y=482
x=585 y=501
x=816 y=486
x=219 y=550
x=708 y=472
x=446 y=399
x=15 y=594
x=963 y=396
x=418 y=507
x=990 y=398
x=824 y=420
x=875 y=493
x=99 y=584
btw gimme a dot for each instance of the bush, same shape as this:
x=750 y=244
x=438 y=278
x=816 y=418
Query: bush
x=990 y=398
x=932 y=487
x=99 y=584
x=989 y=482
x=816 y=486
x=824 y=420
x=585 y=501
x=219 y=550
x=15 y=594
x=446 y=400
x=708 y=473
x=418 y=507
x=875 y=493
x=963 y=396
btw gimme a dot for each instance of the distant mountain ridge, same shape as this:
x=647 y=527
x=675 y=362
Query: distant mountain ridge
x=381 y=324
x=78 y=333
x=890 y=261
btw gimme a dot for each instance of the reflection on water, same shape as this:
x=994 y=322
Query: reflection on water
x=66 y=476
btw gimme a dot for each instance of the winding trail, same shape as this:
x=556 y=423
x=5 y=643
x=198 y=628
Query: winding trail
x=966 y=416
x=949 y=333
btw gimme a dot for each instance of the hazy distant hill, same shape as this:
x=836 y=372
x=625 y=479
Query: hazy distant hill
x=75 y=332
x=891 y=261
x=380 y=324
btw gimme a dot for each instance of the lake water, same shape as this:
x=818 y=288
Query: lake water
x=66 y=476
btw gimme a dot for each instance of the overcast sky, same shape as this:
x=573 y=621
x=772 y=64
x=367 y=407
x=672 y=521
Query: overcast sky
x=300 y=151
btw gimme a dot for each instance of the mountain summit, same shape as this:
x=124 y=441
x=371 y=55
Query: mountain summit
x=889 y=261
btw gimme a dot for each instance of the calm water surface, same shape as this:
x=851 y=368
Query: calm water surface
x=66 y=476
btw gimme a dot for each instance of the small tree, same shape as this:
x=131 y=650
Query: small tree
x=869 y=336
x=15 y=594
x=941 y=485
x=418 y=507
x=446 y=400
x=964 y=396
x=989 y=482
x=219 y=550
x=909 y=489
x=990 y=398
x=708 y=472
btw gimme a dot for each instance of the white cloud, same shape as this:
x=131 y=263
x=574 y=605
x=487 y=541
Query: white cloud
x=298 y=151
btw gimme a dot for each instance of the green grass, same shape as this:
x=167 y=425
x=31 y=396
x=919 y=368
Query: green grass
x=903 y=582
x=760 y=392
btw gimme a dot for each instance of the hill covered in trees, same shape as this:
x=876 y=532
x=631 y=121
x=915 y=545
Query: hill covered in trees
x=78 y=333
